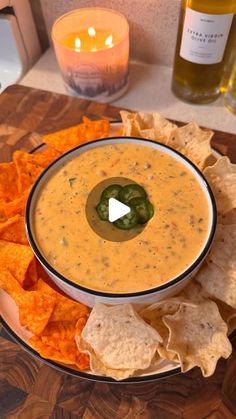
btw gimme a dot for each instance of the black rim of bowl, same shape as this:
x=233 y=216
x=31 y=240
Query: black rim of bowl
x=89 y=291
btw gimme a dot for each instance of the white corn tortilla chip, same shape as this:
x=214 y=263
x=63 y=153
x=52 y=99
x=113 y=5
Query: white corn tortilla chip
x=194 y=293
x=190 y=133
x=218 y=283
x=120 y=338
x=217 y=276
x=147 y=125
x=96 y=365
x=154 y=313
x=228 y=218
x=228 y=314
x=194 y=143
x=198 y=335
x=222 y=180
x=190 y=139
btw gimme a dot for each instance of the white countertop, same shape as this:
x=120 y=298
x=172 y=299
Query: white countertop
x=149 y=90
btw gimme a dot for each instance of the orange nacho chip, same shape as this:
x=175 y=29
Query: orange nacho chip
x=8 y=182
x=69 y=138
x=57 y=342
x=63 y=140
x=35 y=307
x=91 y=130
x=42 y=158
x=31 y=276
x=13 y=230
x=65 y=308
x=46 y=351
x=17 y=259
x=48 y=155
x=27 y=170
x=17 y=206
x=8 y=283
x=3 y=217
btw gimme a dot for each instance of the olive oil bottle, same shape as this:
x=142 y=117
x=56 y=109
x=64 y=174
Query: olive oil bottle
x=204 y=37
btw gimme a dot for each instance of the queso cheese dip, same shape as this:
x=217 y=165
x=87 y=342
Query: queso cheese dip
x=168 y=244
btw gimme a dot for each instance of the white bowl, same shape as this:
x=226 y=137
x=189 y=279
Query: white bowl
x=90 y=296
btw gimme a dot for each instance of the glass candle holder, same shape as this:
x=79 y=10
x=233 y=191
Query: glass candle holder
x=92 y=50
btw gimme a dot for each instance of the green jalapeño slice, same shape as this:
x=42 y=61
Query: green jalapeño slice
x=102 y=209
x=128 y=221
x=131 y=191
x=144 y=209
x=111 y=191
x=132 y=195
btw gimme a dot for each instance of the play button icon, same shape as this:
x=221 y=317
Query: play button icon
x=116 y=209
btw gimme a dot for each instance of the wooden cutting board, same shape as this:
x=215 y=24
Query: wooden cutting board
x=29 y=389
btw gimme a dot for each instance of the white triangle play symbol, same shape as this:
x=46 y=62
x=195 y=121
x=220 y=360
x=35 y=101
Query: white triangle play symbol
x=116 y=209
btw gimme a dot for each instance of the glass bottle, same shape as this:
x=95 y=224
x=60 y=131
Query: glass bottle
x=230 y=95
x=204 y=36
x=230 y=57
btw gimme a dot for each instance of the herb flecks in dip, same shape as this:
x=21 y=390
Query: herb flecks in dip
x=170 y=242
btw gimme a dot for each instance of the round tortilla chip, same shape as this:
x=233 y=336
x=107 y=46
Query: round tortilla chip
x=96 y=365
x=228 y=218
x=120 y=338
x=147 y=125
x=190 y=139
x=190 y=133
x=198 y=335
x=228 y=314
x=222 y=180
x=217 y=276
x=194 y=143
x=194 y=293
x=154 y=314
x=218 y=283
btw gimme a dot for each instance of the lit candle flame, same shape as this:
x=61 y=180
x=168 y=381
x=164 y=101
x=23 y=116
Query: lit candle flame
x=77 y=44
x=91 y=31
x=109 y=41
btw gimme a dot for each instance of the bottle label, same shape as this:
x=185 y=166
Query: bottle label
x=204 y=37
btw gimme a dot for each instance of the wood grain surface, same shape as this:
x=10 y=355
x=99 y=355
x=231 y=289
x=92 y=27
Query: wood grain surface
x=31 y=390
x=37 y=111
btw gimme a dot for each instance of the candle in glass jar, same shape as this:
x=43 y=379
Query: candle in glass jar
x=92 y=48
x=90 y=40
